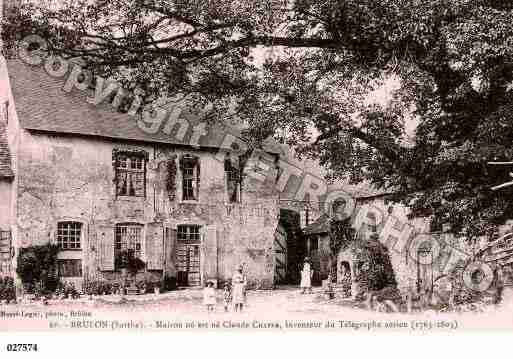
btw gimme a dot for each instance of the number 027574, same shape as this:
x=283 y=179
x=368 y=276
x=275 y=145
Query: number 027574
x=21 y=347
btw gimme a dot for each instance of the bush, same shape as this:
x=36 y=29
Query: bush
x=7 y=289
x=67 y=290
x=98 y=287
x=148 y=286
x=168 y=284
x=127 y=259
x=37 y=268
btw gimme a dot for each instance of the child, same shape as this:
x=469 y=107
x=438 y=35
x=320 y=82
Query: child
x=209 y=296
x=227 y=296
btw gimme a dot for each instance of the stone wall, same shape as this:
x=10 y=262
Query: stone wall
x=5 y=204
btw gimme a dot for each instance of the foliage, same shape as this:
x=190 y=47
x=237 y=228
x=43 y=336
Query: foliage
x=168 y=284
x=67 y=290
x=171 y=178
x=341 y=234
x=127 y=259
x=37 y=265
x=148 y=286
x=99 y=287
x=374 y=270
x=305 y=71
x=7 y=289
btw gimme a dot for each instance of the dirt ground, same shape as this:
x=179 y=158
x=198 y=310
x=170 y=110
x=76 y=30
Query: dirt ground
x=283 y=304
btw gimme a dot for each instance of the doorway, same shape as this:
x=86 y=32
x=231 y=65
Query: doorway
x=188 y=266
x=188 y=256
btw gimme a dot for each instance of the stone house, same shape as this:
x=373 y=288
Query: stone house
x=88 y=179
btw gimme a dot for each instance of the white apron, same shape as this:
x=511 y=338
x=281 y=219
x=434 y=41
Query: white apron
x=238 y=286
x=306 y=276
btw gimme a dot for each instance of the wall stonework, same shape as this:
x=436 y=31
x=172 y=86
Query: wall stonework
x=72 y=178
x=395 y=231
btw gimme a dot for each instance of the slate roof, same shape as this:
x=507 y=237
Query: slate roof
x=5 y=155
x=43 y=105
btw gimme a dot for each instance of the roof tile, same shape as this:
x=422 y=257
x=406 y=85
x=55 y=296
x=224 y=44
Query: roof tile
x=43 y=105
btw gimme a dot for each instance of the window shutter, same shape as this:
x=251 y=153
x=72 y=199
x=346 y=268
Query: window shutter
x=210 y=245
x=170 y=251
x=105 y=238
x=154 y=246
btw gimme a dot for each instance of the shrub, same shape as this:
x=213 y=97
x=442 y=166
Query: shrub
x=127 y=259
x=168 y=284
x=67 y=290
x=148 y=286
x=7 y=289
x=37 y=268
x=98 y=287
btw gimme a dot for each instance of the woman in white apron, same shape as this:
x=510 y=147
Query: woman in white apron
x=306 y=277
x=238 y=288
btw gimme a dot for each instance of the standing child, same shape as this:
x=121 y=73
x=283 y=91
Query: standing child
x=227 y=296
x=306 y=277
x=209 y=297
x=238 y=287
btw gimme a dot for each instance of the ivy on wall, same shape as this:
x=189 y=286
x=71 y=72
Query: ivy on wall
x=341 y=234
x=171 y=178
x=38 y=265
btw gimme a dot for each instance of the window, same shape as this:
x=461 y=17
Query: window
x=188 y=183
x=69 y=267
x=372 y=222
x=68 y=235
x=232 y=181
x=5 y=247
x=5 y=112
x=189 y=166
x=314 y=243
x=189 y=233
x=128 y=236
x=130 y=168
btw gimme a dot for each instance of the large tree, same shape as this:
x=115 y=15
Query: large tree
x=302 y=71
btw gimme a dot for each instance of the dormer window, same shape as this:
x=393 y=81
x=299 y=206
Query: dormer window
x=130 y=168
